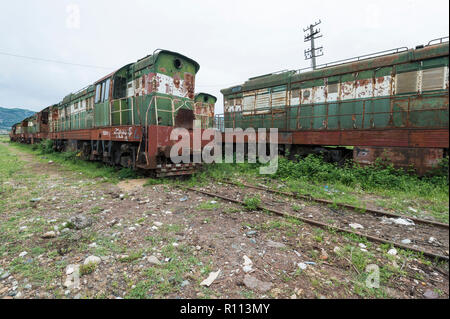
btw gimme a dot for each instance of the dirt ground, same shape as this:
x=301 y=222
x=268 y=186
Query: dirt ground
x=161 y=241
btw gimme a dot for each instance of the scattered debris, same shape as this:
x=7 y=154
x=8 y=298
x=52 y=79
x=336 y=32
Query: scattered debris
x=323 y=254
x=49 y=234
x=153 y=260
x=431 y=294
x=80 y=222
x=406 y=241
x=392 y=251
x=248 y=263
x=398 y=221
x=212 y=276
x=302 y=266
x=275 y=244
x=412 y=209
x=356 y=226
x=434 y=241
x=251 y=233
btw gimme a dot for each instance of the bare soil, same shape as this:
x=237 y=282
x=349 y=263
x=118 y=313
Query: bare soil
x=191 y=236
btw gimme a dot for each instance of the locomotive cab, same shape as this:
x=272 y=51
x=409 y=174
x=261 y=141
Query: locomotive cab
x=204 y=110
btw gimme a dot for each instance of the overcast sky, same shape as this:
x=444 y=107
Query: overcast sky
x=231 y=40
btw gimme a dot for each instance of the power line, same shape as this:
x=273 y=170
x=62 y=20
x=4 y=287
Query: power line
x=312 y=34
x=54 y=61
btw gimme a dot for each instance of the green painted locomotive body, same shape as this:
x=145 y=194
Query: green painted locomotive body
x=399 y=90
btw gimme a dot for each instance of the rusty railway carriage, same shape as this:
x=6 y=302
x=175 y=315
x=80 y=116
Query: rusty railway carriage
x=126 y=117
x=392 y=104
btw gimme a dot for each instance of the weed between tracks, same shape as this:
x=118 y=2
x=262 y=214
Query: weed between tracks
x=381 y=184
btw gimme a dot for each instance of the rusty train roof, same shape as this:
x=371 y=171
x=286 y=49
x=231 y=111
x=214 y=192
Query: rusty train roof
x=398 y=57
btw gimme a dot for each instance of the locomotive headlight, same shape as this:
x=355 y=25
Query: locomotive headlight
x=177 y=63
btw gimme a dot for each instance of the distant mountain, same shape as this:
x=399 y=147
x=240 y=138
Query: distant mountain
x=8 y=117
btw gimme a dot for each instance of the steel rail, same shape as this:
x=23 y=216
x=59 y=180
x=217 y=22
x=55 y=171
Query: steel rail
x=348 y=206
x=323 y=225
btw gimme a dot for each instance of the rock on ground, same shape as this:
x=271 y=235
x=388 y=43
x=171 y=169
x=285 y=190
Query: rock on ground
x=256 y=284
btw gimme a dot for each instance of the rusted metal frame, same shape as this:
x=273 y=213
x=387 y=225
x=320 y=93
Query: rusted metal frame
x=364 y=100
x=288 y=104
x=132 y=111
x=325 y=201
x=110 y=113
x=323 y=225
x=348 y=114
x=441 y=40
x=173 y=112
x=363 y=114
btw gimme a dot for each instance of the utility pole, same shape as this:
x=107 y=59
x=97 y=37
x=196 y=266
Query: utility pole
x=312 y=33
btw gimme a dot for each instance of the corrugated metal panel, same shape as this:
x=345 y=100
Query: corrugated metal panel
x=278 y=99
x=433 y=79
x=262 y=99
x=249 y=101
x=406 y=82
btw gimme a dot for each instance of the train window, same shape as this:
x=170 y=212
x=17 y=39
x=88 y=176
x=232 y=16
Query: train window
x=106 y=91
x=433 y=79
x=406 y=82
x=120 y=87
x=98 y=89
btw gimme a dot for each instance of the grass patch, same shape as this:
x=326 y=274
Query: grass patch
x=131 y=257
x=87 y=269
x=208 y=206
x=74 y=162
x=252 y=203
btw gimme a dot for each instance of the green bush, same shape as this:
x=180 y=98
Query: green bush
x=46 y=147
x=381 y=175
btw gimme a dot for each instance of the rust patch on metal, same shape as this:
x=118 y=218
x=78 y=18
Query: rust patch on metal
x=422 y=159
x=176 y=80
x=189 y=84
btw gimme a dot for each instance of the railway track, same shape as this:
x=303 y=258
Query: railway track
x=428 y=238
x=345 y=206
